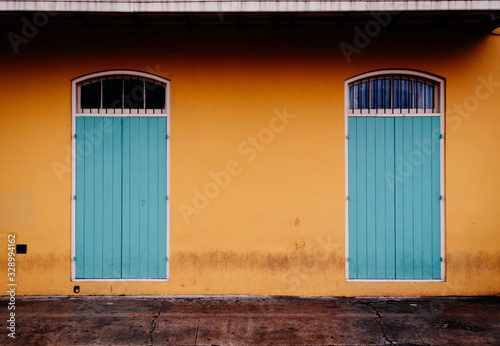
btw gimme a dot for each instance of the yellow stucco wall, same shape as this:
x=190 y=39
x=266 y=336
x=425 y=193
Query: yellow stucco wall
x=278 y=227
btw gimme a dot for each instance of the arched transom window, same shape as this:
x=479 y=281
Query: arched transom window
x=393 y=92
x=121 y=93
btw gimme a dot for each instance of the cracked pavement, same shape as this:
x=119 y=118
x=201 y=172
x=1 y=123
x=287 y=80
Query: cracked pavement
x=237 y=320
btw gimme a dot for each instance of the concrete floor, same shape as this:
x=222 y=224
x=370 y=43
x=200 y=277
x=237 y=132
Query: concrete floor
x=237 y=320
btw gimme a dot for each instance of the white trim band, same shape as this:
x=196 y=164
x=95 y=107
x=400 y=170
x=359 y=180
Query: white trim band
x=246 y=6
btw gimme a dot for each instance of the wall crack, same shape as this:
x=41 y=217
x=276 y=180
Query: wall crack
x=378 y=319
x=153 y=322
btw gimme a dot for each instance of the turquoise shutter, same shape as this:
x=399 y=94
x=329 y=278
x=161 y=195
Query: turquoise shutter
x=394 y=198
x=144 y=197
x=120 y=207
x=98 y=203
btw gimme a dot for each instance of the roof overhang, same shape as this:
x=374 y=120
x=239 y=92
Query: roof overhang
x=247 y=6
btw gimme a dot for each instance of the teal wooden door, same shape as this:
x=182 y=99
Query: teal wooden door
x=120 y=207
x=394 y=198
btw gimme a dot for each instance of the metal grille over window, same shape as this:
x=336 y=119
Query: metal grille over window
x=122 y=94
x=393 y=94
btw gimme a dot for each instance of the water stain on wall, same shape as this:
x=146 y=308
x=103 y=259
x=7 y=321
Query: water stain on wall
x=255 y=260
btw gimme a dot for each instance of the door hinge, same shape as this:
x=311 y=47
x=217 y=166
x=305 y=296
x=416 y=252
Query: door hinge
x=166 y=197
x=166 y=137
x=74 y=258
x=440 y=135
x=74 y=196
x=347 y=137
x=440 y=197
x=74 y=135
x=166 y=259
x=441 y=259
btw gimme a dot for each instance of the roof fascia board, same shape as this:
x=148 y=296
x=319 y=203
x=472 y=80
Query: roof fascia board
x=247 y=6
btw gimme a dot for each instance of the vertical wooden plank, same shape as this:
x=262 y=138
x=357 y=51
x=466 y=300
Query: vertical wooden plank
x=370 y=197
x=107 y=237
x=116 y=245
x=399 y=201
x=427 y=197
x=352 y=191
x=153 y=197
x=416 y=158
x=126 y=198
x=408 y=198
x=390 y=182
x=162 y=201
x=436 y=191
x=80 y=201
x=111 y=245
x=134 y=184
x=89 y=196
x=144 y=199
x=95 y=137
x=380 y=224
x=361 y=198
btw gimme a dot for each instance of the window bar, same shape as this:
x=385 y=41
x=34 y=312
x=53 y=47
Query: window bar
x=102 y=95
x=380 y=93
x=425 y=96
x=101 y=92
x=367 y=96
x=351 y=104
x=86 y=97
x=388 y=82
x=384 y=92
x=391 y=93
x=144 y=94
x=369 y=86
x=359 y=97
x=386 y=106
x=410 y=94
x=415 y=91
x=422 y=97
x=400 y=94
x=436 y=98
x=403 y=92
x=155 y=99
x=123 y=94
